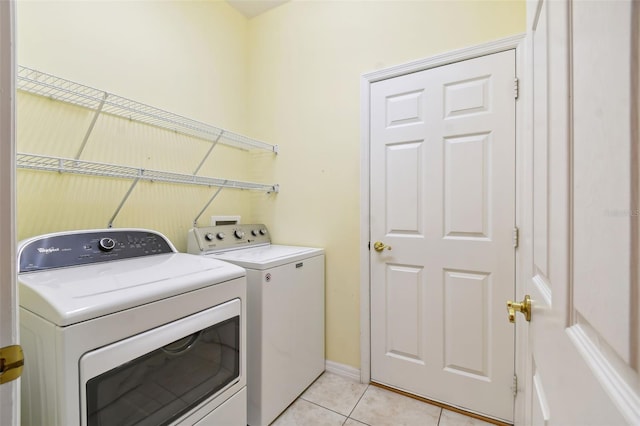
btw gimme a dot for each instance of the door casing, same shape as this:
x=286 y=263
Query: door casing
x=10 y=391
x=516 y=42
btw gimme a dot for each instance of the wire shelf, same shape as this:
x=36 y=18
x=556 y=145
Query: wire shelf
x=67 y=165
x=43 y=84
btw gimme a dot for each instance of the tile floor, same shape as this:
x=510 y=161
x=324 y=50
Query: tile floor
x=335 y=400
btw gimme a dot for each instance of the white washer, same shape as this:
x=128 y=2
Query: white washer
x=119 y=328
x=285 y=315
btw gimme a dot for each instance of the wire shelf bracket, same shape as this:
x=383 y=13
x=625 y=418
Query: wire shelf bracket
x=96 y=114
x=124 y=200
x=195 y=221
x=213 y=145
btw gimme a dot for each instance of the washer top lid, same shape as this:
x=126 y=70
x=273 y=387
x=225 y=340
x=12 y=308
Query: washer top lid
x=267 y=256
x=67 y=296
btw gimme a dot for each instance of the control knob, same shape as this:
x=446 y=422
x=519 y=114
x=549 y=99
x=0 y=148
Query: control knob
x=239 y=234
x=220 y=235
x=106 y=244
x=208 y=236
x=263 y=231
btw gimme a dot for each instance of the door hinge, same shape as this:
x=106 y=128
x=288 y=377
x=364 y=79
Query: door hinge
x=11 y=363
x=516 y=87
x=516 y=237
x=514 y=386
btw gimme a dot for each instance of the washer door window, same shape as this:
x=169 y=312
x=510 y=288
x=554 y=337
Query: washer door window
x=160 y=375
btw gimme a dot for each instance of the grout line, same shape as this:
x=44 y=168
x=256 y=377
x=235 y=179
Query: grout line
x=440 y=416
x=326 y=408
x=358 y=402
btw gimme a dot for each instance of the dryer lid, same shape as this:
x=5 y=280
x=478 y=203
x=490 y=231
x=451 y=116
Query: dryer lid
x=70 y=295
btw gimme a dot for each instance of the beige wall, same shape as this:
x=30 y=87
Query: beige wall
x=305 y=63
x=290 y=77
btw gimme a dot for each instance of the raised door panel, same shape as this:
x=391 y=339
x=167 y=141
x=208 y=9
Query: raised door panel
x=405 y=312
x=602 y=210
x=467 y=97
x=467 y=186
x=466 y=343
x=540 y=148
x=404 y=171
x=405 y=109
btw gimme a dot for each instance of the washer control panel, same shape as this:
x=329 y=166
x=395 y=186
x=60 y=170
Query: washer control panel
x=83 y=247
x=221 y=237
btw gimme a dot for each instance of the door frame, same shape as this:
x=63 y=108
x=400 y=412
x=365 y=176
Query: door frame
x=9 y=392
x=517 y=43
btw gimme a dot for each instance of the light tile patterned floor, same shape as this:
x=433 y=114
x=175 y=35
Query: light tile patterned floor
x=335 y=400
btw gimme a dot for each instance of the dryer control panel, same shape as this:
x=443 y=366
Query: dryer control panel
x=210 y=239
x=83 y=247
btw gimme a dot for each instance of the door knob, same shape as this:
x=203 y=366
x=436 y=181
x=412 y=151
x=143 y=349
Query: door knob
x=11 y=363
x=523 y=307
x=379 y=246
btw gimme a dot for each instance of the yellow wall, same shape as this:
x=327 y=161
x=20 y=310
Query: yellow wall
x=189 y=58
x=305 y=64
x=290 y=77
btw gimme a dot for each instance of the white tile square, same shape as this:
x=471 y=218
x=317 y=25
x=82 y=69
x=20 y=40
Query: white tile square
x=335 y=392
x=380 y=407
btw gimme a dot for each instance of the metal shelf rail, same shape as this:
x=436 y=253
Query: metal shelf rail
x=69 y=165
x=43 y=84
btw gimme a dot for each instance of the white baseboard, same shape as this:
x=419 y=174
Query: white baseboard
x=343 y=370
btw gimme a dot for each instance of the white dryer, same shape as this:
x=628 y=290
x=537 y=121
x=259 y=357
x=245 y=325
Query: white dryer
x=285 y=315
x=119 y=328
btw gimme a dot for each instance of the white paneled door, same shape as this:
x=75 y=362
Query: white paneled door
x=443 y=204
x=580 y=244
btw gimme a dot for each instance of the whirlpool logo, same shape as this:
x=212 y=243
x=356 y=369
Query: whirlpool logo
x=48 y=250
